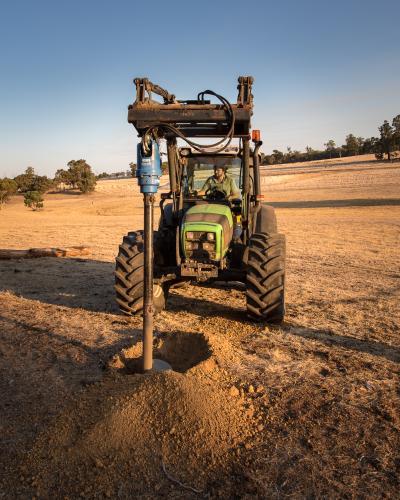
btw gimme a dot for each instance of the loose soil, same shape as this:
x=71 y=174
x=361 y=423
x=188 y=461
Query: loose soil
x=307 y=409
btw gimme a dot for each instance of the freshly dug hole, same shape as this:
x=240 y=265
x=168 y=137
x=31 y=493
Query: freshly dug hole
x=117 y=437
x=181 y=350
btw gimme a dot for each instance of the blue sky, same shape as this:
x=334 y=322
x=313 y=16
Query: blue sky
x=322 y=70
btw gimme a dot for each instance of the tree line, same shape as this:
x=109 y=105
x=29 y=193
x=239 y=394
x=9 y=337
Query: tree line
x=78 y=175
x=115 y=175
x=387 y=144
x=129 y=173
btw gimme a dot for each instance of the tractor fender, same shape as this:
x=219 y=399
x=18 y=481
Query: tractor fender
x=266 y=220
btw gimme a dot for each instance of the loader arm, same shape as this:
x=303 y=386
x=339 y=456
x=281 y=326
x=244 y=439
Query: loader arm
x=193 y=118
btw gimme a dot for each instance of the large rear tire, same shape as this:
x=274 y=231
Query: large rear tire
x=265 y=287
x=129 y=273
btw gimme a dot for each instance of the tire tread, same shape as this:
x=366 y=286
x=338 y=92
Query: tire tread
x=265 y=295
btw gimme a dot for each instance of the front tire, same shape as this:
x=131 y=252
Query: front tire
x=265 y=287
x=129 y=274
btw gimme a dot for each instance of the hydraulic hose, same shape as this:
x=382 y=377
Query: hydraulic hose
x=216 y=147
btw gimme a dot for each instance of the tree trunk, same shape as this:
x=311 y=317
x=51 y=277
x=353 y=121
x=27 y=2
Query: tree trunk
x=44 y=252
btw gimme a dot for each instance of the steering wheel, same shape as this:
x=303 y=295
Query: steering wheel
x=215 y=194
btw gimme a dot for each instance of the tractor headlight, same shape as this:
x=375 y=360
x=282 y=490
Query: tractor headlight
x=189 y=236
x=208 y=246
x=210 y=236
x=191 y=245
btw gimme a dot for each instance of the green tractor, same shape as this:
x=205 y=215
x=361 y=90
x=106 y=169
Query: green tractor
x=213 y=224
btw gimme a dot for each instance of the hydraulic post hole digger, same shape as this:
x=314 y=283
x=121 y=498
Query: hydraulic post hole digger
x=213 y=225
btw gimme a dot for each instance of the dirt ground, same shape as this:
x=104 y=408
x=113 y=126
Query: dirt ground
x=309 y=409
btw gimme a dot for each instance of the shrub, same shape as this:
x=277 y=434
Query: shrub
x=33 y=200
x=8 y=187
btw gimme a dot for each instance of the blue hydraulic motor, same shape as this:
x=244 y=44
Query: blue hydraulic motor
x=148 y=171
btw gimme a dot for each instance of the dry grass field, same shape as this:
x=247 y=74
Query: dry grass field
x=310 y=409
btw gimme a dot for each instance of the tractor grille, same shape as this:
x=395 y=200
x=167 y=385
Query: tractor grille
x=199 y=247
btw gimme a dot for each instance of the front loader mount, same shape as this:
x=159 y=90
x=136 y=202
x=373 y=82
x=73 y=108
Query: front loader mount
x=193 y=118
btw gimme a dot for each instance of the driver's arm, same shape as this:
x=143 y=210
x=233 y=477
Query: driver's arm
x=205 y=187
x=234 y=191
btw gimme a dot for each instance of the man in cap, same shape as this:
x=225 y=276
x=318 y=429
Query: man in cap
x=221 y=182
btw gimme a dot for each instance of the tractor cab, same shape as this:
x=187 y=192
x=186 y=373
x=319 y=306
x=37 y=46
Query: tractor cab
x=211 y=224
x=198 y=168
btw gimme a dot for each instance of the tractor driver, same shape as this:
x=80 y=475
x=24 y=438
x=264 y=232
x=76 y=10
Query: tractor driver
x=222 y=182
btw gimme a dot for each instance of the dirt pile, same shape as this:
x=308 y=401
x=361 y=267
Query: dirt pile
x=133 y=435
